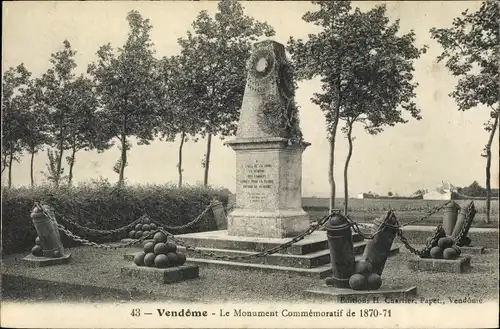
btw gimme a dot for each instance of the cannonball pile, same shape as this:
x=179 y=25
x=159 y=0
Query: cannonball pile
x=160 y=253
x=37 y=249
x=443 y=248
x=143 y=228
x=364 y=278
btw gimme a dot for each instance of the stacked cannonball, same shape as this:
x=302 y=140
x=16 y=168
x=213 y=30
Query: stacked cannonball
x=160 y=253
x=143 y=228
x=37 y=249
x=364 y=277
x=444 y=247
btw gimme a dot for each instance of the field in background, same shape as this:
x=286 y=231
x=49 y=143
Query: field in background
x=362 y=205
x=399 y=205
x=406 y=210
x=366 y=210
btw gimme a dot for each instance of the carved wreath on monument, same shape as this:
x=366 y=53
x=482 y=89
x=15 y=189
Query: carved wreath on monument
x=271 y=77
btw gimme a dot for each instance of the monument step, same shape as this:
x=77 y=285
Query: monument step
x=317 y=241
x=310 y=260
x=319 y=272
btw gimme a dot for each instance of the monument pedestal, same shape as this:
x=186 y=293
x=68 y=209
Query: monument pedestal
x=272 y=224
x=268 y=188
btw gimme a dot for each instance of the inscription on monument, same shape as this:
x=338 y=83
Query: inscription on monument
x=257 y=182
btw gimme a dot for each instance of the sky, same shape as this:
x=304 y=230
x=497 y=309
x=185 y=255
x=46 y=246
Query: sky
x=444 y=146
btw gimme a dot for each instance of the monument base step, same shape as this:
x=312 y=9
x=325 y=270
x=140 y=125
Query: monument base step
x=310 y=260
x=344 y=295
x=458 y=265
x=34 y=261
x=271 y=259
x=161 y=275
x=473 y=250
x=314 y=242
x=319 y=272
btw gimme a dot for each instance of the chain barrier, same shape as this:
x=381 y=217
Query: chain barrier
x=180 y=227
x=429 y=213
x=132 y=224
x=87 y=242
x=163 y=228
x=264 y=253
x=356 y=229
x=127 y=244
x=103 y=232
x=430 y=241
x=428 y=245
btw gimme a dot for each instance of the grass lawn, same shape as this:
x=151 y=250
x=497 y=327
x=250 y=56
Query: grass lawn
x=93 y=276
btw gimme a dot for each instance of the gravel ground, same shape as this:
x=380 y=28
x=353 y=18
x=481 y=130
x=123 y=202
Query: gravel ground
x=93 y=275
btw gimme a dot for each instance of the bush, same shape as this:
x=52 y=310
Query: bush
x=102 y=206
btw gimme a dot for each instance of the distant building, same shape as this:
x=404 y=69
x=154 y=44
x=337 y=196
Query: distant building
x=442 y=192
x=366 y=196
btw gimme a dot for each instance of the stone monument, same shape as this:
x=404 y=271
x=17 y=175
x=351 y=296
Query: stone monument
x=268 y=210
x=268 y=148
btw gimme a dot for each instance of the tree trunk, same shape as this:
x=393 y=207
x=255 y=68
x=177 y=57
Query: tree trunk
x=57 y=177
x=348 y=159
x=207 y=159
x=10 y=166
x=31 y=168
x=331 y=161
x=488 y=168
x=179 y=165
x=4 y=162
x=72 y=163
x=124 y=152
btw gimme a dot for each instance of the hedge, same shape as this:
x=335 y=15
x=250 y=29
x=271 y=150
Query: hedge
x=104 y=206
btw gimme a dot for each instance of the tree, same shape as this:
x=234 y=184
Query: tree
x=55 y=88
x=177 y=116
x=216 y=55
x=15 y=83
x=470 y=49
x=129 y=87
x=35 y=133
x=365 y=70
x=420 y=192
x=85 y=130
x=473 y=190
